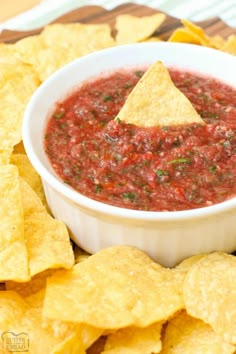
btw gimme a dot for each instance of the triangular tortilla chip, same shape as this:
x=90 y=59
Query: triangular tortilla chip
x=132 y=29
x=156 y=101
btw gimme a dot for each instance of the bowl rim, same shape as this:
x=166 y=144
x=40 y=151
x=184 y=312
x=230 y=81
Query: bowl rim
x=96 y=206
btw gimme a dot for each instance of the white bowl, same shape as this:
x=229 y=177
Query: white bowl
x=168 y=237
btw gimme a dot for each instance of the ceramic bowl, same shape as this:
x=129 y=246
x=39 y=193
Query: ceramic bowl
x=168 y=237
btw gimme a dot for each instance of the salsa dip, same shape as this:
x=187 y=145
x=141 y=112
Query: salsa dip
x=145 y=168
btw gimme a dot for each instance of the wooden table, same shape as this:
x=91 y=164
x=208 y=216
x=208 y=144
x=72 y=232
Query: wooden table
x=97 y=14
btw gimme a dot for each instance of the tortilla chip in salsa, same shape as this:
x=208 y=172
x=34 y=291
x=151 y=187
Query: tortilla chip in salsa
x=156 y=101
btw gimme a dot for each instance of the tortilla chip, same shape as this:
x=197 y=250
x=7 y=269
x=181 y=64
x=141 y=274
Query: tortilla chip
x=18 y=319
x=5 y=155
x=123 y=282
x=132 y=29
x=47 y=239
x=187 y=263
x=217 y=42
x=191 y=33
x=18 y=81
x=33 y=291
x=230 y=45
x=28 y=173
x=19 y=148
x=185 y=335
x=210 y=293
x=135 y=340
x=59 y=44
x=27 y=49
x=197 y=30
x=156 y=101
x=183 y=35
x=13 y=252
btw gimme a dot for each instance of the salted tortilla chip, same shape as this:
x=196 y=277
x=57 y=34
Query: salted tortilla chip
x=19 y=148
x=47 y=239
x=21 y=320
x=13 y=252
x=132 y=29
x=217 y=41
x=183 y=35
x=197 y=30
x=230 y=45
x=27 y=49
x=5 y=155
x=123 y=282
x=33 y=291
x=156 y=101
x=18 y=81
x=185 y=334
x=28 y=173
x=191 y=33
x=135 y=340
x=210 y=293
x=187 y=263
x=59 y=44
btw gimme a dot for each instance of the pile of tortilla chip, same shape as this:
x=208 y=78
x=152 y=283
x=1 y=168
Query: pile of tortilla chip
x=55 y=298
x=120 y=301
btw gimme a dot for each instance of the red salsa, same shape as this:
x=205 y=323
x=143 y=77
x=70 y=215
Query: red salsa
x=155 y=169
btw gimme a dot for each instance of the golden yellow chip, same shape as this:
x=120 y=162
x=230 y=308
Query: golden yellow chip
x=17 y=83
x=59 y=44
x=123 y=282
x=133 y=340
x=191 y=33
x=32 y=291
x=183 y=35
x=156 y=101
x=27 y=49
x=19 y=148
x=47 y=239
x=7 y=52
x=197 y=30
x=17 y=318
x=5 y=155
x=230 y=45
x=28 y=173
x=185 y=335
x=187 y=263
x=85 y=334
x=210 y=293
x=217 y=42
x=131 y=29
x=13 y=253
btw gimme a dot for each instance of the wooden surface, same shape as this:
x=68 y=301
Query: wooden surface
x=97 y=14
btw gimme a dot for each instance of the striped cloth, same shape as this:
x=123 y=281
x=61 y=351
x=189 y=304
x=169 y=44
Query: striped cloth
x=193 y=10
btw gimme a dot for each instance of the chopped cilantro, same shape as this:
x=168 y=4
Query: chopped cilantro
x=139 y=73
x=162 y=173
x=127 y=86
x=107 y=98
x=98 y=188
x=186 y=160
x=129 y=195
x=212 y=168
x=58 y=115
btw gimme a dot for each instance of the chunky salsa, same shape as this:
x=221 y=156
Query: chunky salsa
x=153 y=169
